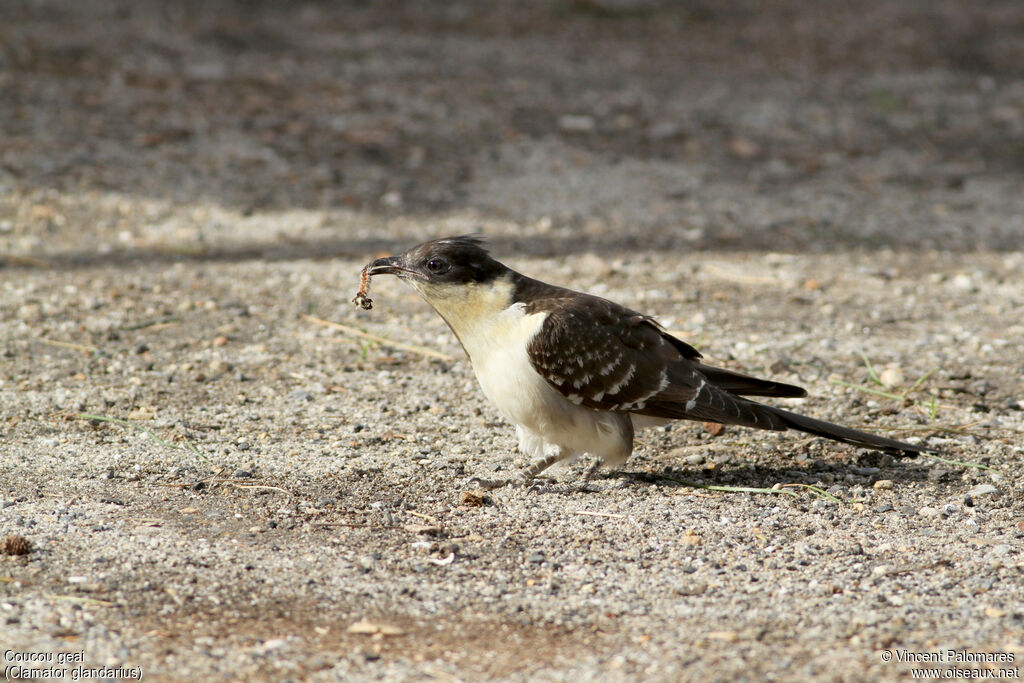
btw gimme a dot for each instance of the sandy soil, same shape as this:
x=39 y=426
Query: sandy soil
x=218 y=485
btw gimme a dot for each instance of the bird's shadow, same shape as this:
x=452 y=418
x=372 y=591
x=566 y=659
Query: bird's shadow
x=863 y=471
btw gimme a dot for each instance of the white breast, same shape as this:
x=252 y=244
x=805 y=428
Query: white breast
x=503 y=368
x=495 y=334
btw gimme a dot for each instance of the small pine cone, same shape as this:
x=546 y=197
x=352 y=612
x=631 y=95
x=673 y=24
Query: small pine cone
x=17 y=545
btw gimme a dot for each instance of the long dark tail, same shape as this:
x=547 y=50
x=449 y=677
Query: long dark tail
x=853 y=437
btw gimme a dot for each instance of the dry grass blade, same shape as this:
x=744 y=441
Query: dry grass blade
x=423 y=351
x=84 y=348
x=724 y=274
x=31 y=261
x=432 y=520
x=154 y=325
x=81 y=600
x=263 y=487
x=727 y=489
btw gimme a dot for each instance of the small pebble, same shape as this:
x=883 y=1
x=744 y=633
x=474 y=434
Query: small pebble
x=983 y=490
x=664 y=130
x=573 y=123
x=883 y=484
x=218 y=367
x=891 y=377
x=963 y=281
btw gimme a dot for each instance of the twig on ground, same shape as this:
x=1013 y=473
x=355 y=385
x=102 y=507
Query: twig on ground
x=611 y=515
x=430 y=353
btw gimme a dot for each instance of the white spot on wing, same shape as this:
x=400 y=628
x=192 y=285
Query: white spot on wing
x=604 y=370
x=577 y=383
x=614 y=389
x=642 y=401
x=692 y=403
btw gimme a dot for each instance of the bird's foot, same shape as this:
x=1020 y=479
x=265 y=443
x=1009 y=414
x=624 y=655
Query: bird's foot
x=526 y=477
x=587 y=483
x=542 y=486
x=490 y=484
x=536 y=486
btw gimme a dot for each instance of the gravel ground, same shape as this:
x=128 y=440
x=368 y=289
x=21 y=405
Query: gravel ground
x=217 y=485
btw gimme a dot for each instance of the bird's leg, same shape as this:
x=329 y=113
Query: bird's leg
x=592 y=470
x=523 y=477
x=547 y=461
x=588 y=476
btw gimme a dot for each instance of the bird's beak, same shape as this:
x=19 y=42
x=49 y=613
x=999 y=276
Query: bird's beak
x=389 y=265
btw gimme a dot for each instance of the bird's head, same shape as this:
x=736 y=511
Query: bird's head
x=439 y=267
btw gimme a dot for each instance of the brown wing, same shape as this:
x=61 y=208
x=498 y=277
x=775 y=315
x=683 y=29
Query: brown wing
x=606 y=357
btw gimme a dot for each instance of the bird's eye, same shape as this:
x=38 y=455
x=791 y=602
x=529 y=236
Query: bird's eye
x=435 y=265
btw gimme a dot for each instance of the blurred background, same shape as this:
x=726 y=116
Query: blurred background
x=139 y=129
